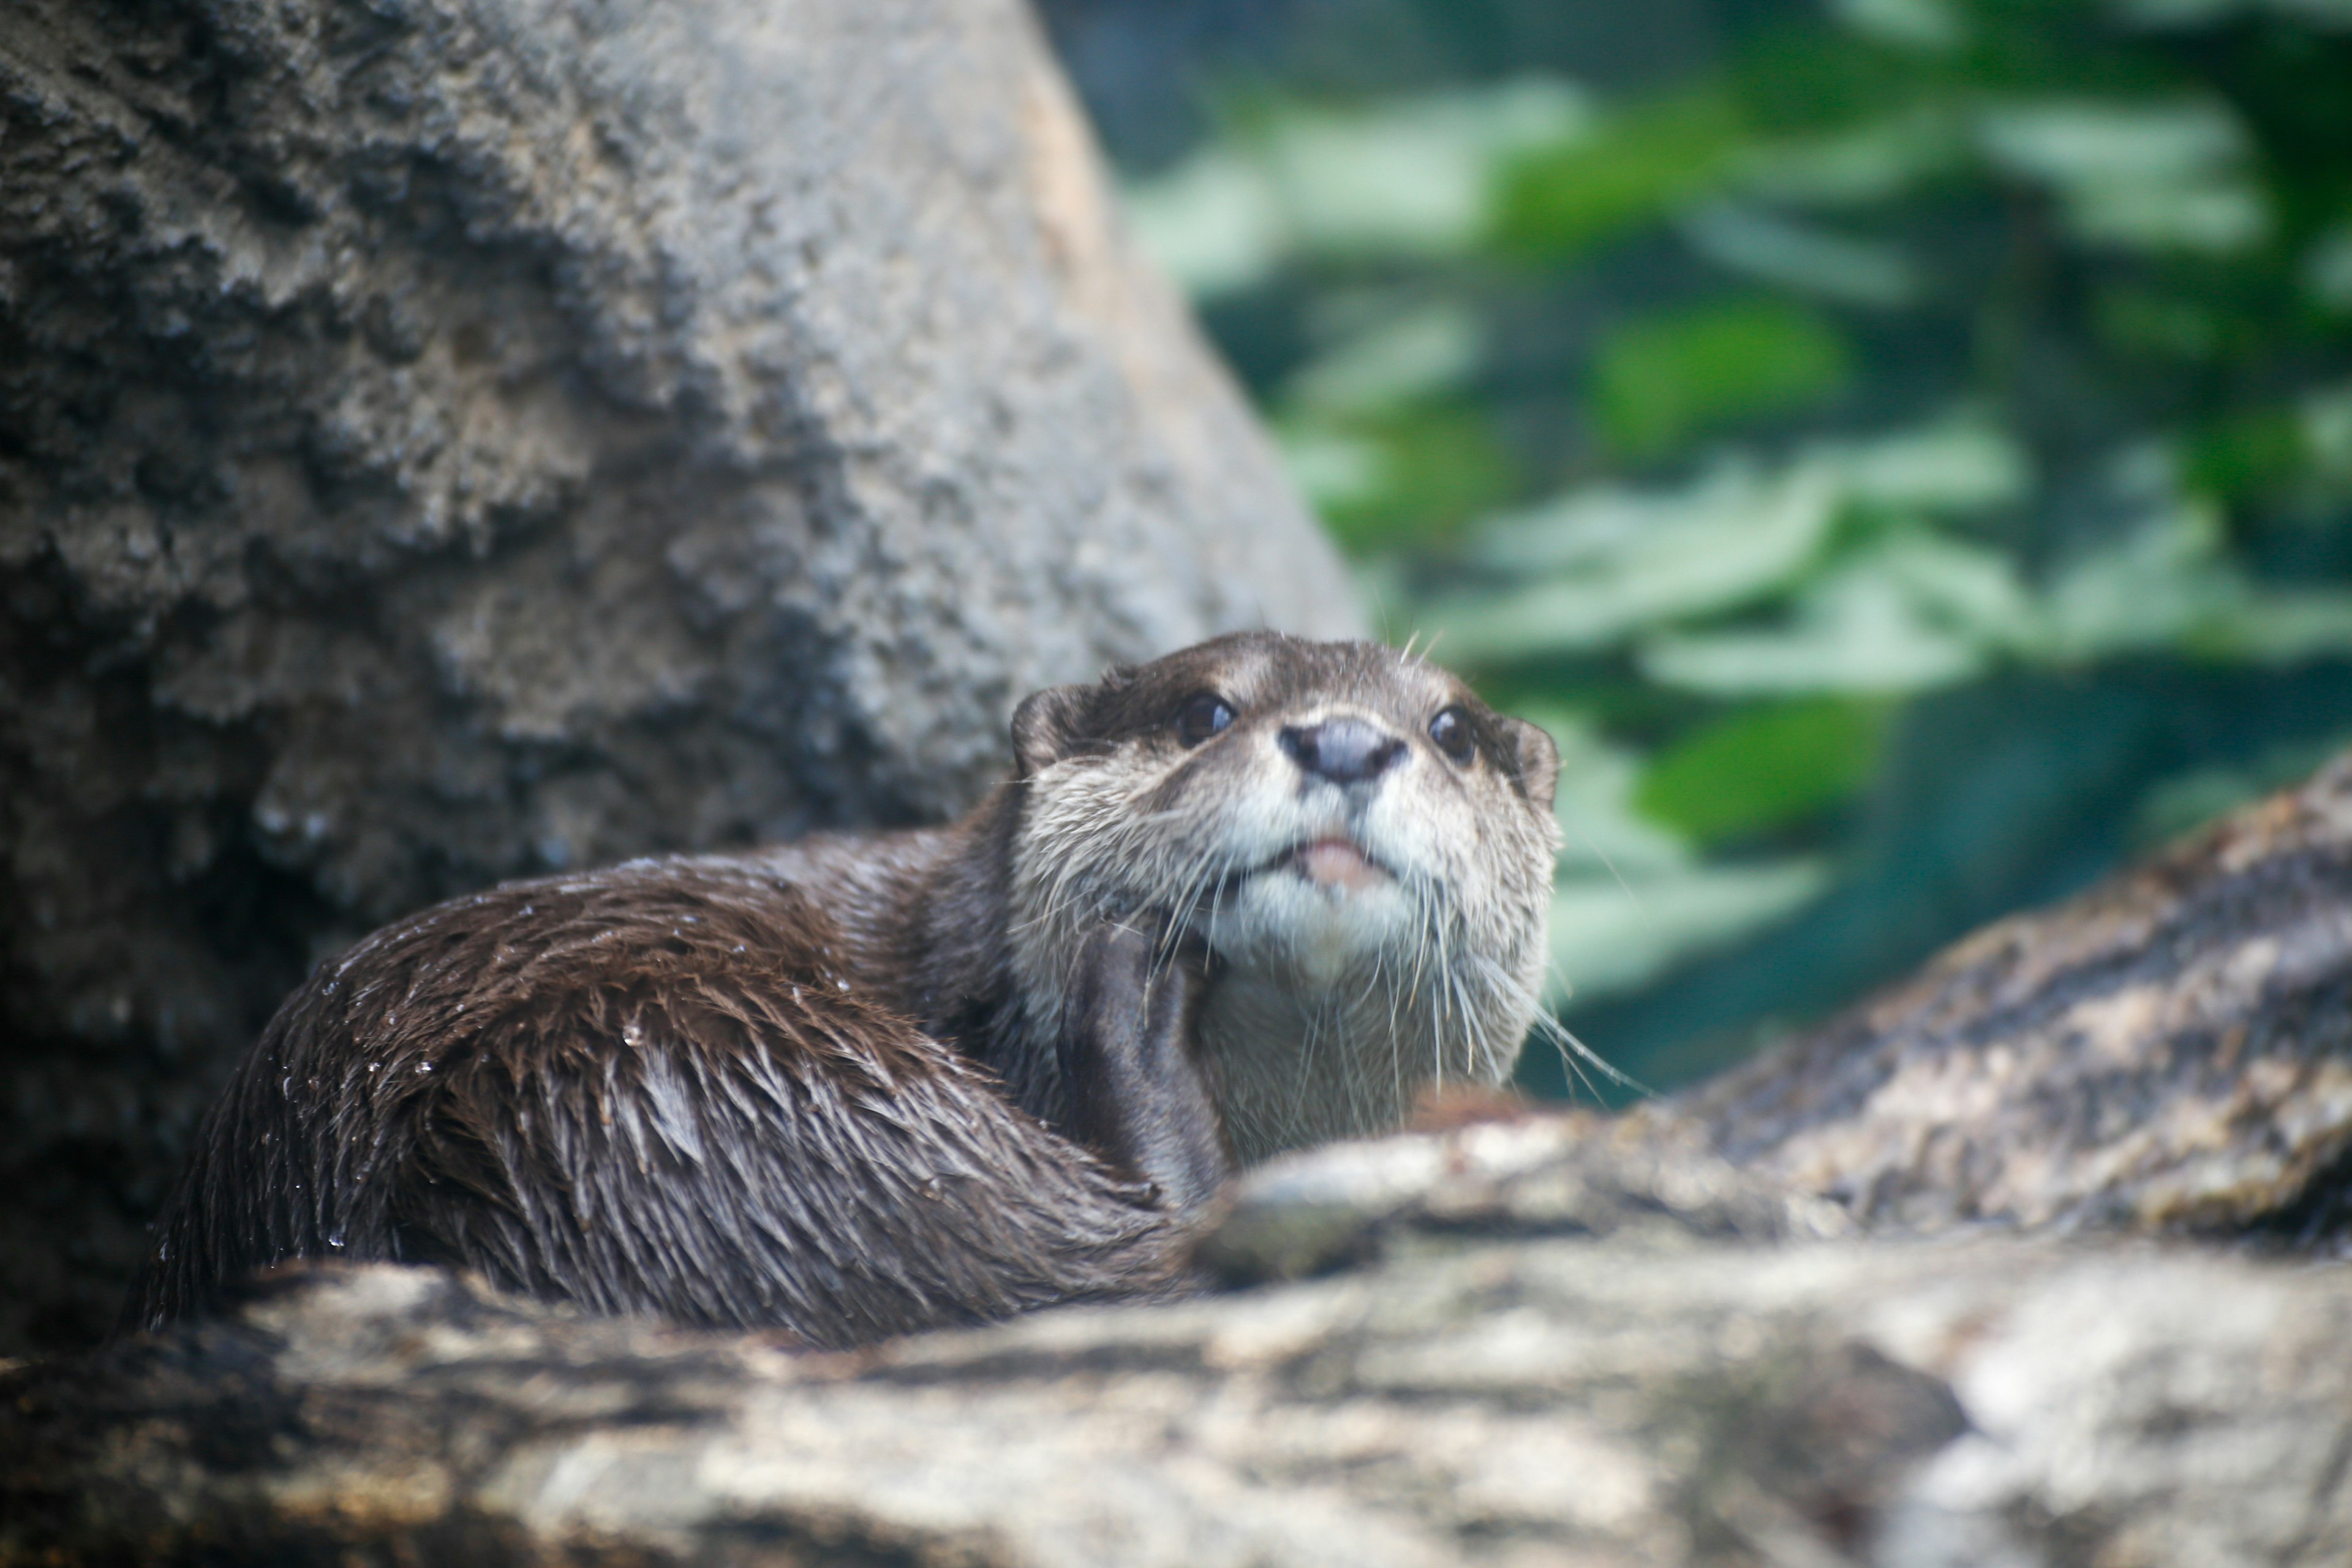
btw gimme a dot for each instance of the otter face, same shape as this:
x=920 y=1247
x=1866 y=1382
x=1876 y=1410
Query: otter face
x=1362 y=847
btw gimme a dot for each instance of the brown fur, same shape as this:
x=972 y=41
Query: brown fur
x=843 y=1086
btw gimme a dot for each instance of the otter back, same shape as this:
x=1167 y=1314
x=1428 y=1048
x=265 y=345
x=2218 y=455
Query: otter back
x=634 y=1092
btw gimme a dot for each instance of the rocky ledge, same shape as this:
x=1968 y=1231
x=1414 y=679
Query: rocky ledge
x=1543 y=1347
x=2031 y=1260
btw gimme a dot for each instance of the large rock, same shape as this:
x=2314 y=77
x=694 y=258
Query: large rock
x=445 y=439
x=1557 y=1351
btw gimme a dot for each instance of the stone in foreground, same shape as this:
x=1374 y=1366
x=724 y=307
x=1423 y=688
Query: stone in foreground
x=1638 y=1376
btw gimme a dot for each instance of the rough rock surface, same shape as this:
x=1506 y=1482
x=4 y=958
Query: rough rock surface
x=1615 y=1378
x=1560 y=1340
x=2172 y=1051
x=447 y=440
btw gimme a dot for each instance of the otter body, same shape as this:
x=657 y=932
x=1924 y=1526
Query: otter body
x=1252 y=896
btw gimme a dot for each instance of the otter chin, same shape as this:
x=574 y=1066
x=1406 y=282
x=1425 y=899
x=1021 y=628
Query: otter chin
x=1255 y=895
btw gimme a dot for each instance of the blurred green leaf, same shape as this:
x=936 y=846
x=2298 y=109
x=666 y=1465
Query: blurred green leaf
x=2214 y=217
x=2253 y=454
x=1405 y=356
x=1659 y=379
x=1600 y=565
x=2079 y=144
x=2326 y=420
x=1958 y=465
x=2183 y=16
x=1632 y=899
x=1623 y=560
x=1216 y=224
x=2327 y=270
x=1610 y=937
x=1767 y=249
x=1870 y=164
x=1424 y=473
x=1914 y=613
x=2151 y=587
x=1766 y=768
x=1647 y=161
x=2147 y=175
x=2302 y=449
x=1932 y=25
x=2281 y=627
x=1406 y=179
x=2144 y=321
x=1335 y=471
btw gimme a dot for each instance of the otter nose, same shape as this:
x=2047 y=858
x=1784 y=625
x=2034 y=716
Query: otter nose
x=1345 y=751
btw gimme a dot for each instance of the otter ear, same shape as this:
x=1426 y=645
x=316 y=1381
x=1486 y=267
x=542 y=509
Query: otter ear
x=1537 y=757
x=1044 y=727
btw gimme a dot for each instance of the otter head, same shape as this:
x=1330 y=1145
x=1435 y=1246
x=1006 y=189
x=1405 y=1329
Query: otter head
x=1362 y=849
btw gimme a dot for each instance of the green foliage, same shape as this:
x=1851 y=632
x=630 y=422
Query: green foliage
x=1378 y=434
x=1418 y=479
x=2247 y=456
x=1763 y=768
x=1561 y=200
x=1762 y=434
x=1659 y=380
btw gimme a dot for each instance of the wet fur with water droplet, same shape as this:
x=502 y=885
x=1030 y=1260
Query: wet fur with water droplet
x=863 y=1085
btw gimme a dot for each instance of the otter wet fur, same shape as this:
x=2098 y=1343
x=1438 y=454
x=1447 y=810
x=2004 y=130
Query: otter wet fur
x=1255 y=894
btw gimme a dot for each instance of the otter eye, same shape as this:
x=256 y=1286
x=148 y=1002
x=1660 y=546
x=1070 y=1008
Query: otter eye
x=1205 y=715
x=1451 y=731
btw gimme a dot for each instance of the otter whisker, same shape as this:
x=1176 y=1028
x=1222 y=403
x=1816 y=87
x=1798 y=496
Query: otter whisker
x=1565 y=1041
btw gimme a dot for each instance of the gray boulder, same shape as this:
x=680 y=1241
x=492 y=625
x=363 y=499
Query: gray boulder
x=447 y=440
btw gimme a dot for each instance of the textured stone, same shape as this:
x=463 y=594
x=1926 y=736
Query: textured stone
x=447 y=440
x=1560 y=1173
x=2170 y=1052
x=1654 y=1396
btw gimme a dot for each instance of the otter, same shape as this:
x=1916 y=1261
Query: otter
x=1252 y=896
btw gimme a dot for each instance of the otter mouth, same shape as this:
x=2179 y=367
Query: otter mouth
x=1333 y=862
x=1337 y=863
